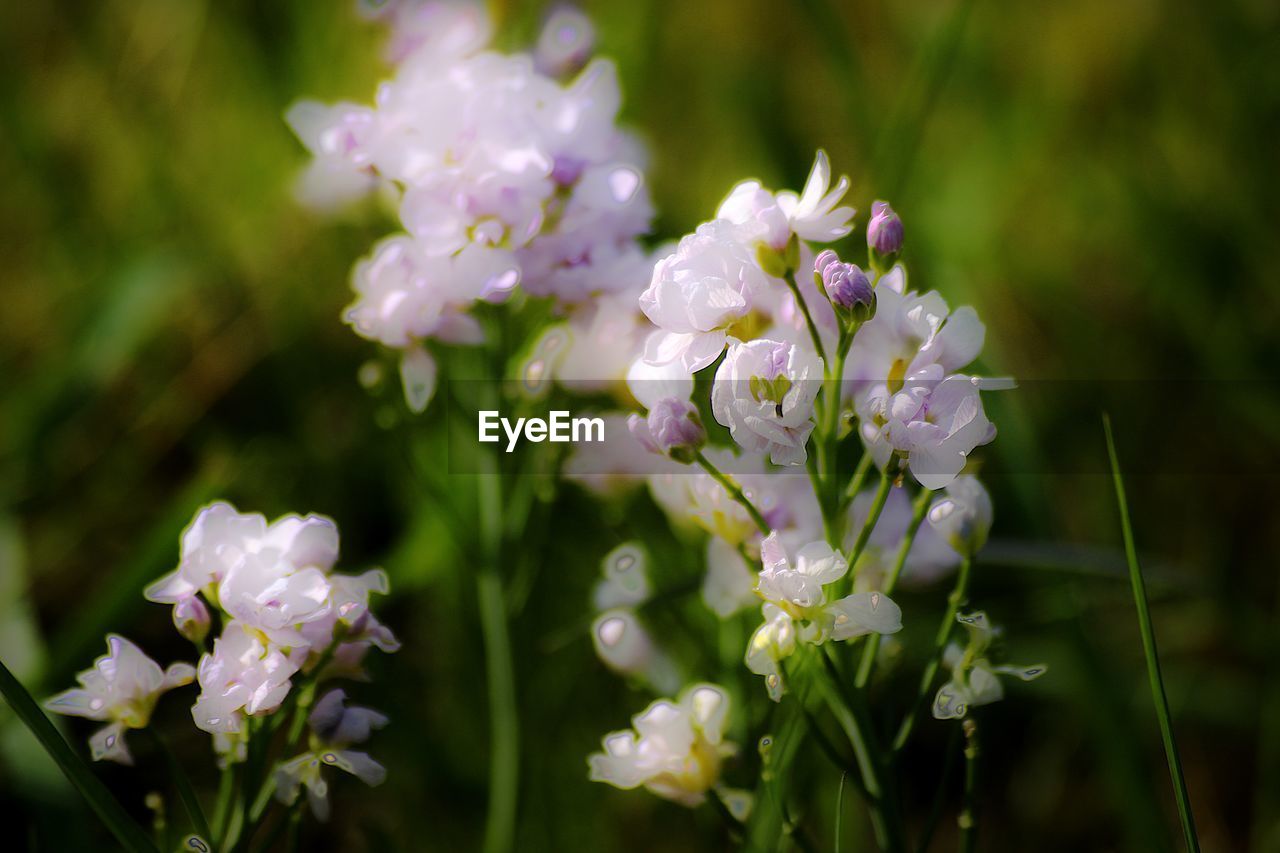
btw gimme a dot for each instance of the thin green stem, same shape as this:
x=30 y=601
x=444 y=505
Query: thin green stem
x=1158 y=694
x=812 y=465
x=859 y=477
x=968 y=819
x=504 y=755
x=790 y=279
x=872 y=646
x=883 y=817
x=877 y=506
x=222 y=810
x=957 y=597
x=839 y=812
x=183 y=783
x=734 y=490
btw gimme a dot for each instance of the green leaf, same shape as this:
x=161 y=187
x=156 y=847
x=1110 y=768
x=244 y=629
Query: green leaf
x=1158 y=694
x=123 y=827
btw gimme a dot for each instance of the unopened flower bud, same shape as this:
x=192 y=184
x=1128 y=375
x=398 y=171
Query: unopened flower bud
x=676 y=429
x=565 y=44
x=963 y=517
x=884 y=231
x=191 y=618
x=847 y=286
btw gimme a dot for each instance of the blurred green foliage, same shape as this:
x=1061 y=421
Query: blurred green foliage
x=1099 y=179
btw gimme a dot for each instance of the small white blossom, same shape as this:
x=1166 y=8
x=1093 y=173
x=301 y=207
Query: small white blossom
x=934 y=422
x=698 y=293
x=909 y=333
x=675 y=749
x=122 y=688
x=963 y=516
x=797 y=610
x=772 y=218
x=242 y=675
x=974 y=679
x=764 y=392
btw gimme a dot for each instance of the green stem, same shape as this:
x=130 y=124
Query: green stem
x=859 y=477
x=735 y=492
x=877 y=506
x=813 y=463
x=883 y=821
x=1158 y=694
x=504 y=755
x=954 y=601
x=790 y=279
x=968 y=819
x=183 y=783
x=873 y=641
x=222 y=810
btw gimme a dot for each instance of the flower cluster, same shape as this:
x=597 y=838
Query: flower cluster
x=283 y=615
x=284 y=610
x=506 y=170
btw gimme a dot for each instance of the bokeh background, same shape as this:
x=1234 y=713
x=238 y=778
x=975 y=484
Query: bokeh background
x=1099 y=179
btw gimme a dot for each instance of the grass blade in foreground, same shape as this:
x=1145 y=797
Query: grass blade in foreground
x=1149 y=648
x=123 y=827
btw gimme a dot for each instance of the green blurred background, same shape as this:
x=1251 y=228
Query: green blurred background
x=1099 y=179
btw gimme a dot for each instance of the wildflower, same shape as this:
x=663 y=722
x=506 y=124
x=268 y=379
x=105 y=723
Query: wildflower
x=847 y=286
x=243 y=674
x=931 y=421
x=772 y=218
x=764 y=393
x=673 y=428
x=796 y=608
x=675 y=748
x=963 y=517
x=909 y=333
x=697 y=294
x=649 y=383
x=884 y=231
x=974 y=678
x=348 y=626
x=334 y=727
x=270 y=575
x=122 y=688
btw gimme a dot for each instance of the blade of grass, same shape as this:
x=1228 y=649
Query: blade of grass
x=124 y=828
x=1149 y=649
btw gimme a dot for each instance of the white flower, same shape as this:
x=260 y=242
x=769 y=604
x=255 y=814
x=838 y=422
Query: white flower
x=910 y=332
x=729 y=584
x=974 y=678
x=615 y=465
x=626 y=578
x=772 y=218
x=675 y=749
x=269 y=575
x=339 y=139
x=243 y=675
x=334 y=726
x=797 y=609
x=934 y=422
x=349 y=613
x=930 y=556
x=698 y=293
x=764 y=393
x=565 y=43
x=963 y=516
x=122 y=687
